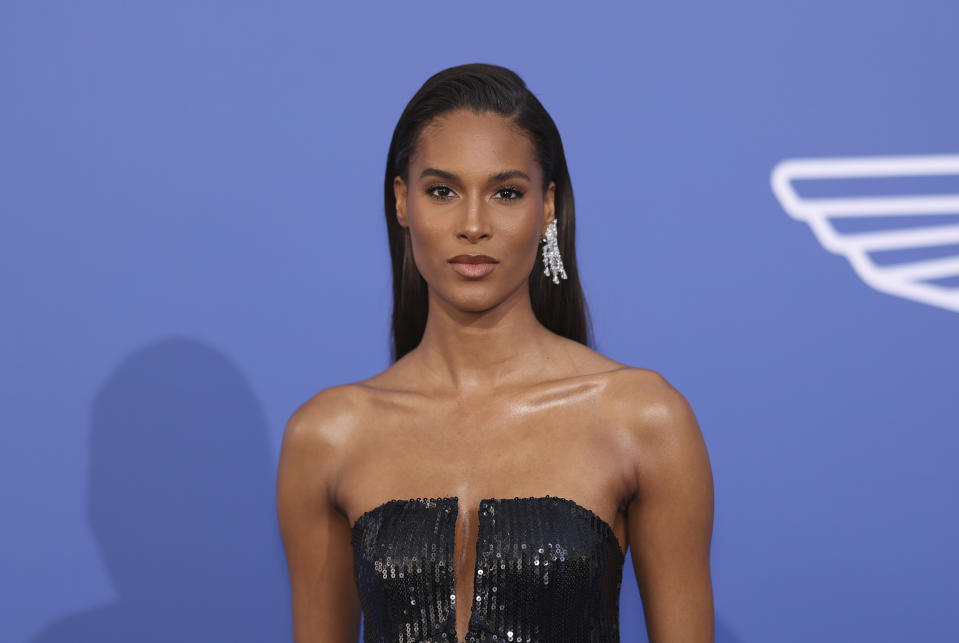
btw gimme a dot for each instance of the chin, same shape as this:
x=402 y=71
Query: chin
x=475 y=304
x=471 y=297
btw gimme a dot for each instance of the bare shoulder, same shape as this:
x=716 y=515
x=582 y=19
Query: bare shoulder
x=652 y=405
x=329 y=416
x=659 y=421
x=640 y=399
x=320 y=431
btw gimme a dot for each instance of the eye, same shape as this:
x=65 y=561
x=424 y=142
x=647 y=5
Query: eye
x=512 y=193
x=439 y=192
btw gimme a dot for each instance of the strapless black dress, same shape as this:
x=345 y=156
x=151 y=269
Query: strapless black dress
x=547 y=571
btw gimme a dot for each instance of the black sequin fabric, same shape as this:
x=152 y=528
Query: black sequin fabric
x=547 y=571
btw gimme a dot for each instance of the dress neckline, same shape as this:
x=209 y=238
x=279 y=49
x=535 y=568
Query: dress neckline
x=604 y=527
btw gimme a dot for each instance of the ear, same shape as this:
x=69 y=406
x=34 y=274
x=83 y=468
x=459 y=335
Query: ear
x=549 y=209
x=399 y=191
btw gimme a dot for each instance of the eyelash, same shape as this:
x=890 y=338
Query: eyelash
x=512 y=188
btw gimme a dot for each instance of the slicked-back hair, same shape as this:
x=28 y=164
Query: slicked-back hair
x=483 y=88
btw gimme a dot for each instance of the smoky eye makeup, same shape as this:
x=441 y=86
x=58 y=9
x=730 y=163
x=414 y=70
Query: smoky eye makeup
x=518 y=193
x=431 y=191
x=442 y=192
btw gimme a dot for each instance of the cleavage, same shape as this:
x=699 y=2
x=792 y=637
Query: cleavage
x=465 y=540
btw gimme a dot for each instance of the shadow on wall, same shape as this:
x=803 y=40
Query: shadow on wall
x=180 y=499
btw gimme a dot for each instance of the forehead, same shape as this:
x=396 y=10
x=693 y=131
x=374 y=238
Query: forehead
x=466 y=143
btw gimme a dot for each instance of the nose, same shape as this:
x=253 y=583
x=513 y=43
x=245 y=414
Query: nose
x=474 y=223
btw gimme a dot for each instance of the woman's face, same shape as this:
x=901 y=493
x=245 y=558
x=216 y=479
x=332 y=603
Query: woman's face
x=474 y=188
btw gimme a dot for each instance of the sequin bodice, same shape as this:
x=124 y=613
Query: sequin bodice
x=547 y=571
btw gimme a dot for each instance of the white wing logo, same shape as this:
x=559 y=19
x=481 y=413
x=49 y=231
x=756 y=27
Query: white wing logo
x=908 y=279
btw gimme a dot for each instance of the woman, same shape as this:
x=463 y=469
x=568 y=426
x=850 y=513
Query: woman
x=486 y=485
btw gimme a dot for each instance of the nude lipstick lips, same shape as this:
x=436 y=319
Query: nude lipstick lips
x=473 y=266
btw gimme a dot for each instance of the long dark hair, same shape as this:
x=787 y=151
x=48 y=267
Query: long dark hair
x=484 y=88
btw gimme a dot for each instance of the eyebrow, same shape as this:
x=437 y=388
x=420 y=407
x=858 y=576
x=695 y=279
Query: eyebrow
x=499 y=176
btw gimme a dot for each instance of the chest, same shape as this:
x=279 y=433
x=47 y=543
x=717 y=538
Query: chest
x=494 y=456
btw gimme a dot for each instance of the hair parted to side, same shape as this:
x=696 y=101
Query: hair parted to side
x=482 y=88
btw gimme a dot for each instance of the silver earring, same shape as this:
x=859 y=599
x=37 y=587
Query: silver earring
x=551 y=258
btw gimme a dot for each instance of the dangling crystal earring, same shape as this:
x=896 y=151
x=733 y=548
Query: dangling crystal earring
x=551 y=258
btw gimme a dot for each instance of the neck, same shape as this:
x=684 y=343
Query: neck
x=475 y=352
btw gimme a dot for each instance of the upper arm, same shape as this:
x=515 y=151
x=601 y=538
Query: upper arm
x=316 y=535
x=670 y=518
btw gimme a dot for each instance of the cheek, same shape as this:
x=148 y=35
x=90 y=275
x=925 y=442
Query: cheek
x=428 y=243
x=524 y=235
